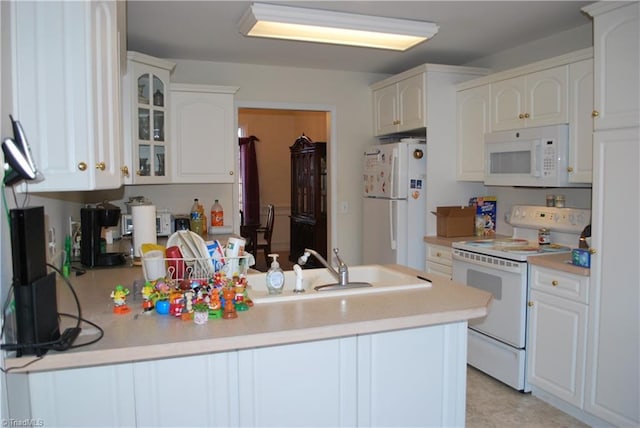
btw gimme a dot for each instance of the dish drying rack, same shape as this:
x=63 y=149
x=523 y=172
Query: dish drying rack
x=204 y=268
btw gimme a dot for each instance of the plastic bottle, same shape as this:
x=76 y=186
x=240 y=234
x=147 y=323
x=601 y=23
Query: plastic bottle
x=203 y=220
x=66 y=266
x=196 y=219
x=275 y=276
x=217 y=214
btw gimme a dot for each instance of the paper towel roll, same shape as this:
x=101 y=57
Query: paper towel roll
x=143 y=218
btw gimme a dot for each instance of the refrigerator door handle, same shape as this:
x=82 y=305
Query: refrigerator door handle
x=393 y=180
x=392 y=223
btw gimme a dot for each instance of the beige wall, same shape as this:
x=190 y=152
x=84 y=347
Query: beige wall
x=345 y=93
x=277 y=131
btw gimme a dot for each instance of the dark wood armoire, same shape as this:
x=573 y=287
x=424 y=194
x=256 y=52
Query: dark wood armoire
x=308 y=222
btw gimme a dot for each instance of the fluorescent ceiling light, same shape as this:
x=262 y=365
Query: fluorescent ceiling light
x=323 y=26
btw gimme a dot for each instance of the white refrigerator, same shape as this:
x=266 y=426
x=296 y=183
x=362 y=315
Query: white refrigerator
x=394 y=206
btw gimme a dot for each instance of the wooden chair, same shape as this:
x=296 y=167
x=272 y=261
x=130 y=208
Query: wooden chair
x=264 y=240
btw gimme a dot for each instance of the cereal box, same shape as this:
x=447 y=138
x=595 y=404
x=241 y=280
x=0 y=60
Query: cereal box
x=486 y=210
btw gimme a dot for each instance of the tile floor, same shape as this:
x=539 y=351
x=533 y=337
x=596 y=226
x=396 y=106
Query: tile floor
x=492 y=404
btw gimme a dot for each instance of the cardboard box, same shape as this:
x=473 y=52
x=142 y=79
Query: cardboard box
x=486 y=210
x=455 y=221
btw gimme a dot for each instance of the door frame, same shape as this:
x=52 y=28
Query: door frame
x=332 y=155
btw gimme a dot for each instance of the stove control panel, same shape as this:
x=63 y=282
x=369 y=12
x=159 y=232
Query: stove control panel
x=570 y=220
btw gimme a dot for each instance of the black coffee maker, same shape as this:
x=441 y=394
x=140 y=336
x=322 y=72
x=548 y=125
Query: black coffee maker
x=92 y=220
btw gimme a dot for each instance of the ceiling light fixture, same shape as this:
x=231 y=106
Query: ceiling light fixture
x=323 y=26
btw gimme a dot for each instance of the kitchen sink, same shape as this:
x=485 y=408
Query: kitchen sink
x=381 y=278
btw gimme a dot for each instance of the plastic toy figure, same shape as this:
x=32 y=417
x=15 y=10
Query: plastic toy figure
x=215 y=305
x=119 y=296
x=187 y=309
x=147 y=294
x=228 y=293
x=240 y=289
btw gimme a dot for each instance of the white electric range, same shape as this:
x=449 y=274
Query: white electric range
x=497 y=342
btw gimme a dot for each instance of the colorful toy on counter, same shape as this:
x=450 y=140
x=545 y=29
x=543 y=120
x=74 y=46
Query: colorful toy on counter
x=224 y=297
x=119 y=296
x=229 y=294
x=147 y=294
x=222 y=291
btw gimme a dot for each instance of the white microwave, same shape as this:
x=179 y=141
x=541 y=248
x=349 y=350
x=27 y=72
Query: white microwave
x=535 y=157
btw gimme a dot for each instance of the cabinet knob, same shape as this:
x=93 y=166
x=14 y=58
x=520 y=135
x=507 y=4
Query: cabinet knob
x=554 y=282
x=595 y=113
x=82 y=166
x=125 y=171
x=526 y=115
x=521 y=116
x=230 y=172
x=438 y=254
x=570 y=169
x=530 y=303
x=101 y=166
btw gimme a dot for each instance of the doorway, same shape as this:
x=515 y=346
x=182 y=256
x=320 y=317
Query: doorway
x=277 y=127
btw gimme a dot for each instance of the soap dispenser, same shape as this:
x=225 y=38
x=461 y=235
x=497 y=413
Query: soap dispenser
x=275 y=276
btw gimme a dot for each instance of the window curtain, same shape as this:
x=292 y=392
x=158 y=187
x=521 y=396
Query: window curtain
x=250 y=183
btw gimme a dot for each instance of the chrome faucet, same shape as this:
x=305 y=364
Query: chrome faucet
x=341 y=275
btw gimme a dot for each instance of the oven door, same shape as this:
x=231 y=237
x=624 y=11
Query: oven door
x=506 y=280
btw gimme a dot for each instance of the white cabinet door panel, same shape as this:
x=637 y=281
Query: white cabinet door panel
x=557 y=339
x=86 y=397
x=202 y=132
x=299 y=385
x=613 y=352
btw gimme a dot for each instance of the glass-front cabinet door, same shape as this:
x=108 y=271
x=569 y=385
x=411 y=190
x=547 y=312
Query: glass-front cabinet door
x=151 y=132
x=148 y=96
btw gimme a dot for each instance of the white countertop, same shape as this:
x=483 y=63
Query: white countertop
x=136 y=336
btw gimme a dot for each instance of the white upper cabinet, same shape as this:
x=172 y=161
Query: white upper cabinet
x=536 y=99
x=580 y=121
x=553 y=91
x=473 y=121
x=202 y=133
x=400 y=106
x=66 y=91
x=146 y=102
x=616 y=44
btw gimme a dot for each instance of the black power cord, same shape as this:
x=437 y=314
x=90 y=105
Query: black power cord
x=68 y=336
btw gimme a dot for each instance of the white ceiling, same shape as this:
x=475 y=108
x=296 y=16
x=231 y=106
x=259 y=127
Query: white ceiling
x=208 y=30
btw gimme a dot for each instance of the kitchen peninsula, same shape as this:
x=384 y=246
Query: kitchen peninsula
x=377 y=359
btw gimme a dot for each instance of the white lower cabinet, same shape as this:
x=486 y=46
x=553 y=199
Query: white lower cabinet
x=411 y=377
x=299 y=385
x=85 y=397
x=439 y=260
x=195 y=391
x=557 y=335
